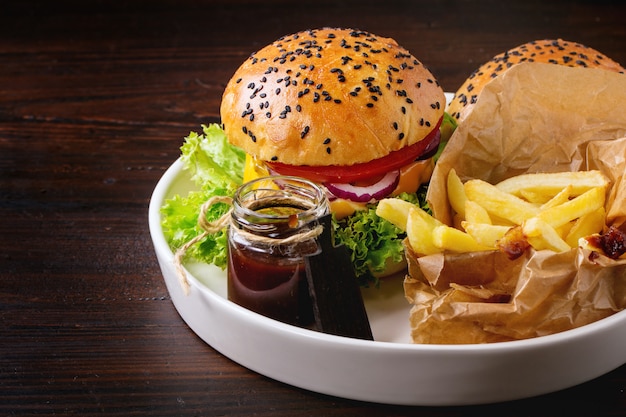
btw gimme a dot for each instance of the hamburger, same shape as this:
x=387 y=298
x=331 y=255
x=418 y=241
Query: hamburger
x=548 y=51
x=345 y=108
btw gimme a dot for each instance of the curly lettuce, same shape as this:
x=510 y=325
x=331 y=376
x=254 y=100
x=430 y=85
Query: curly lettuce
x=372 y=240
x=216 y=167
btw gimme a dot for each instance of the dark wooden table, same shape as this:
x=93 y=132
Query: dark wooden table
x=95 y=98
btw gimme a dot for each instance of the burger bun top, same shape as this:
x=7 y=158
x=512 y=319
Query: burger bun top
x=330 y=97
x=547 y=51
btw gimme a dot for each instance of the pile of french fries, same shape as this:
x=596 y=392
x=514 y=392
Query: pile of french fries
x=544 y=210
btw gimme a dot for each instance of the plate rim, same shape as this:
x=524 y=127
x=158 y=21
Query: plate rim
x=578 y=336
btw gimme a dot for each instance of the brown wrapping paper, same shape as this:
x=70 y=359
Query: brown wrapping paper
x=533 y=118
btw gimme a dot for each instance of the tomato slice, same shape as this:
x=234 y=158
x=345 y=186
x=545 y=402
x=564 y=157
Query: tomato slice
x=362 y=171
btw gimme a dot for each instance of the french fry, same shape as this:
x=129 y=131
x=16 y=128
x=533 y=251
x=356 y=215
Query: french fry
x=585 y=226
x=419 y=228
x=560 y=198
x=485 y=234
x=499 y=203
x=475 y=213
x=534 y=197
x=544 y=211
x=585 y=203
x=448 y=238
x=541 y=235
x=395 y=211
x=456 y=193
x=552 y=183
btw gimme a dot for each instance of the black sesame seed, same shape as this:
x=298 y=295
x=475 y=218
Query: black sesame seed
x=298 y=108
x=408 y=100
x=274 y=158
x=245 y=130
x=328 y=150
x=401 y=136
x=304 y=132
x=403 y=109
x=337 y=101
x=395 y=125
x=370 y=105
x=326 y=141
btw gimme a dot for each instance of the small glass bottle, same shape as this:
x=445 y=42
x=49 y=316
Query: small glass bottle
x=271 y=231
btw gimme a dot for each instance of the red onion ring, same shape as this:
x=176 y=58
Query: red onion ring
x=365 y=194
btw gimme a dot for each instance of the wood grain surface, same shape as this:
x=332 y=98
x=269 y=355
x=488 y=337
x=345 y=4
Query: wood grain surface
x=95 y=99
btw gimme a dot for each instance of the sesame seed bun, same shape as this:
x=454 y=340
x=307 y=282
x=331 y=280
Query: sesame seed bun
x=548 y=51
x=330 y=97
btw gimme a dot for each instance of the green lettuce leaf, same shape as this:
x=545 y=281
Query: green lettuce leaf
x=211 y=160
x=373 y=240
x=216 y=167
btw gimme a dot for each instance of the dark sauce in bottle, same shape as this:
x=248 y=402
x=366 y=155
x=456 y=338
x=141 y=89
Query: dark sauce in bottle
x=274 y=287
x=267 y=274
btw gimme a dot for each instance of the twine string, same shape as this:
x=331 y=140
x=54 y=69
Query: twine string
x=215 y=226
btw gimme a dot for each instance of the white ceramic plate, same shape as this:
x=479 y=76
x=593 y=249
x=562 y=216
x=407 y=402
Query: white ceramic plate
x=390 y=369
